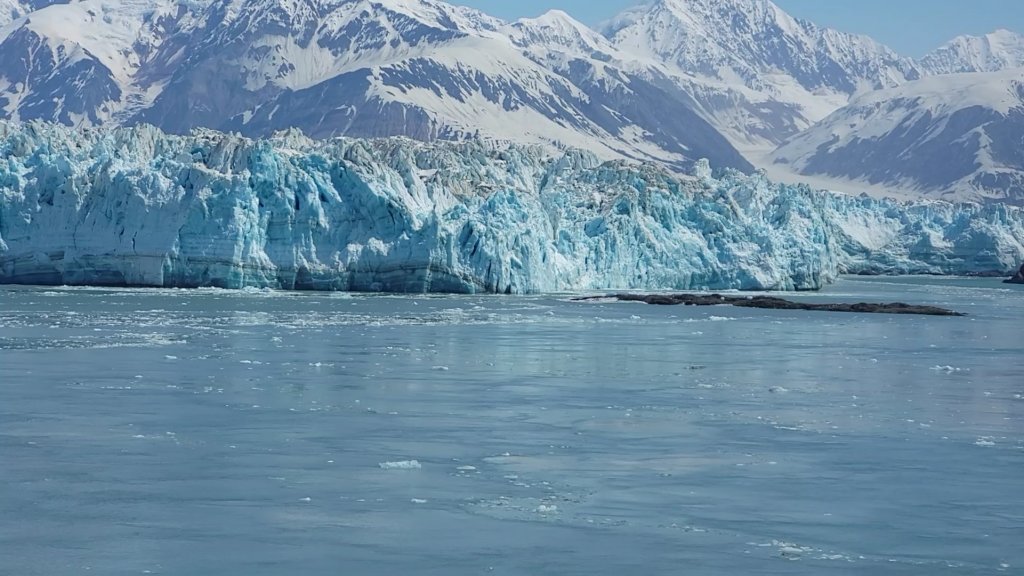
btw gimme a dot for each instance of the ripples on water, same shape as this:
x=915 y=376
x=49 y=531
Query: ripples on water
x=192 y=432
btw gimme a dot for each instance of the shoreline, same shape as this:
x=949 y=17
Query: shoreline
x=591 y=293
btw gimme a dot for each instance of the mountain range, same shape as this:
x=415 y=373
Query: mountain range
x=739 y=82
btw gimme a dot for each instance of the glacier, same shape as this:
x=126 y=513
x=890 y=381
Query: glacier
x=137 y=207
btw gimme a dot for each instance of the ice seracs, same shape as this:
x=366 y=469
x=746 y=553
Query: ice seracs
x=138 y=207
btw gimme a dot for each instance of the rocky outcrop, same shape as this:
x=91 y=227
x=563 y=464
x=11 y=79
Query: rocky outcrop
x=773 y=303
x=1018 y=278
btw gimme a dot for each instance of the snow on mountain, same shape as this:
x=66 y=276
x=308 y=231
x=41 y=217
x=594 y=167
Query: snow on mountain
x=137 y=207
x=749 y=39
x=419 y=68
x=670 y=81
x=430 y=70
x=956 y=136
x=993 y=52
x=556 y=31
x=759 y=74
x=76 y=63
x=11 y=10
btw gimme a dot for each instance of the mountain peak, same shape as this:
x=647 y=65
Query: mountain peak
x=995 y=51
x=753 y=39
x=557 y=29
x=1004 y=33
x=556 y=20
x=555 y=15
x=698 y=9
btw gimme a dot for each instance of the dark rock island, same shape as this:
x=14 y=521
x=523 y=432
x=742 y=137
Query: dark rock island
x=1018 y=278
x=774 y=303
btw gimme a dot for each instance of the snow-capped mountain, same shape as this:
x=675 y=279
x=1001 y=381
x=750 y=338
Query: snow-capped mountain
x=759 y=74
x=11 y=10
x=78 y=63
x=955 y=136
x=418 y=68
x=669 y=81
x=475 y=78
x=993 y=52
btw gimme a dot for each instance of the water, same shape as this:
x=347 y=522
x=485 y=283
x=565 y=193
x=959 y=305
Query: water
x=214 y=432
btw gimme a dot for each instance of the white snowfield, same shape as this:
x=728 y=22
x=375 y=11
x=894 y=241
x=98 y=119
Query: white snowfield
x=133 y=206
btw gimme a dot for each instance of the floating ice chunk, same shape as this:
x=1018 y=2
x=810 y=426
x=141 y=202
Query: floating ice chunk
x=985 y=441
x=418 y=501
x=306 y=499
x=790 y=551
x=466 y=468
x=778 y=390
x=946 y=369
x=547 y=509
x=169 y=357
x=401 y=465
x=440 y=368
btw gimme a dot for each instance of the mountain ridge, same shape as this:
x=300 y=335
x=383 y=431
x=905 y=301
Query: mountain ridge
x=954 y=136
x=998 y=50
x=669 y=81
x=421 y=68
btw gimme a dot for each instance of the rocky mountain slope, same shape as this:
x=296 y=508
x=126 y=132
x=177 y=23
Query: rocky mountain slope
x=669 y=81
x=418 y=68
x=952 y=136
x=759 y=74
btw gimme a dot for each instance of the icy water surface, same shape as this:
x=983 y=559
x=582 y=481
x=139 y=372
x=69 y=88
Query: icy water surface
x=229 y=433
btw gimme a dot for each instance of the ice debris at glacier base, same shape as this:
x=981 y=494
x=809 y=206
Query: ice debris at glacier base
x=134 y=206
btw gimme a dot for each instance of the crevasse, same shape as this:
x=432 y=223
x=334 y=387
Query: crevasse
x=134 y=206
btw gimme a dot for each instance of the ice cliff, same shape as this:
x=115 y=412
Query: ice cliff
x=134 y=206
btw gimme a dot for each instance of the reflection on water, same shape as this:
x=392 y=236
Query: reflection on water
x=188 y=432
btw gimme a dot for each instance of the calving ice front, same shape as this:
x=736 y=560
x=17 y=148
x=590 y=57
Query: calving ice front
x=134 y=206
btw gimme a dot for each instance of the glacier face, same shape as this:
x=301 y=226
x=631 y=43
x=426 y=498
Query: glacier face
x=133 y=206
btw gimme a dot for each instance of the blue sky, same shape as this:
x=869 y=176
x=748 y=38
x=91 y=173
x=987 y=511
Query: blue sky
x=911 y=27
